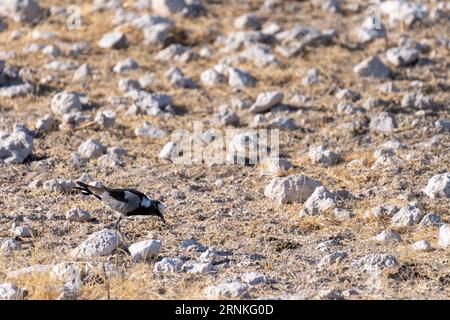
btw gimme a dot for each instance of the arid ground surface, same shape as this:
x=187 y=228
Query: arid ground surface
x=225 y=206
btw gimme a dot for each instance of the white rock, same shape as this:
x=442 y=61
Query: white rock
x=342 y=214
x=167 y=265
x=18 y=90
x=254 y=278
x=388 y=236
x=323 y=156
x=9 y=291
x=168 y=151
x=247 y=21
x=26 y=11
x=444 y=236
x=312 y=76
x=149 y=102
x=157 y=34
x=330 y=294
x=422 y=245
x=267 y=100
x=146 y=129
x=52 y=50
x=402 y=56
x=65 y=102
x=110 y=161
x=100 y=243
x=438 y=186
x=419 y=101
x=293 y=188
x=58 y=185
x=373 y=261
x=319 y=201
x=91 y=149
x=332 y=258
x=372 y=67
x=33 y=270
x=78 y=215
x=238 y=78
x=16 y=146
x=210 y=255
x=59 y=65
x=431 y=220
x=127 y=64
x=369 y=30
x=45 y=123
x=227 y=289
x=113 y=40
x=69 y=273
x=200 y=268
x=383 y=123
x=144 y=250
x=106 y=119
x=173 y=52
x=84 y=71
x=383 y=211
x=276 y=166
x=406 y=12
x=192 y=245
x=210 y=77
x=168 y=7
x=407 y=216
x=9 y=245
x=23 y=232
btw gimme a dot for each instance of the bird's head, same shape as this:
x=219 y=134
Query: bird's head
x=158 y=209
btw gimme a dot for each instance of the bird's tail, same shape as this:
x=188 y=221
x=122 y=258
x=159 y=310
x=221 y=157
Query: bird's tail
x=89 y=190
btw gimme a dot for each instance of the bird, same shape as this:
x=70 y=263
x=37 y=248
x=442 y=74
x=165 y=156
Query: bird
x=126 y=202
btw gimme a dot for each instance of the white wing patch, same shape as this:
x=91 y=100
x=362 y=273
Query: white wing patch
x=146 y=202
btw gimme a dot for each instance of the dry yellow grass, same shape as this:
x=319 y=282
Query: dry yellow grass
x=235 y=217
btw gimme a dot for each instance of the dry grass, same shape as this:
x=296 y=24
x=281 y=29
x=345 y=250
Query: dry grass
x=235 y=217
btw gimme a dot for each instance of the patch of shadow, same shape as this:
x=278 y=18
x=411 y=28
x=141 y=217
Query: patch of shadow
x=34 y=157
x=407 y=272
x=43 y=89
x=445 y=280
x=178 y=110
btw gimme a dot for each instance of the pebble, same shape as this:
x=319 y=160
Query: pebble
x=233 y=289
x=254 y=278
x=372 y=67
x=293 y=188
x=409 y=215
x=91 y=149
x=320 y=201
x=323 y=156
x=100 y=243
x=113 y=40
x=144 y=250
x=266 y=100
x=128 y=64
x=9 y=291
x=422 y=245
x=78 y=215
x=438 y=186
x=168 y=265
x=65 y=102
x=388 y=236
x=444 y=236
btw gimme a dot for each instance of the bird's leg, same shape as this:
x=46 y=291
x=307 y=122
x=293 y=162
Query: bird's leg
x=117 y=227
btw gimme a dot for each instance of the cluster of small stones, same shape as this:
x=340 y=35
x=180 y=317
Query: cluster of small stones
x=261 y=43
